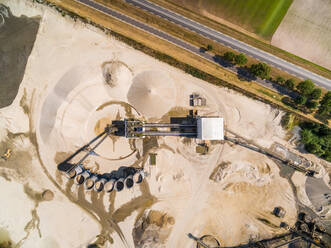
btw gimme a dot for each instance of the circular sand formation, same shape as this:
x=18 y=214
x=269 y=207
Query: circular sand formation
x=114 y=147
x=115 y=73
x=47 y=195
x=117 y=78
x=210 y=241
x=152 y=93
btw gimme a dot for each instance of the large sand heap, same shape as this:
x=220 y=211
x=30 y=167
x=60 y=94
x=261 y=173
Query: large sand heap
x=152 y=229
x=152 y=93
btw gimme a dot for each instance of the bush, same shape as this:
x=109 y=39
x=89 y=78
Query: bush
x=311 y=104
x=312 y=126
x=289 y=102
x=209 y=47
x=316 y=94
x=325 y=105
x=288 y=120
x=261 y=70
x=306 y=87
x=240 y=59
x=289 y=83
x=229 y=56
x=300 y=100
x=317 y=139
x=315 y=148
x=306 y=136
x=280 y=80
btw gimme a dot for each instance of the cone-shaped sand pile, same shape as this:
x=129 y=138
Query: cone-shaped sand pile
x=152 y=93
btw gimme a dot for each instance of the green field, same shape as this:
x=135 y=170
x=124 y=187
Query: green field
x=258 y=16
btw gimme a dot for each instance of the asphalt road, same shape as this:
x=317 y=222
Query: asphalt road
x=231 y=42
x=185 y=45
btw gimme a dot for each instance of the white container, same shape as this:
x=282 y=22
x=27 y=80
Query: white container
x=74 y=172
x=138 y=177
x=80 y=179
x=109 y=185
x=99 y=184
x=90 y=182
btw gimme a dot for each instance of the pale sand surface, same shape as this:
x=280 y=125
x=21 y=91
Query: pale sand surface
x=67 y=102
x=306 y=31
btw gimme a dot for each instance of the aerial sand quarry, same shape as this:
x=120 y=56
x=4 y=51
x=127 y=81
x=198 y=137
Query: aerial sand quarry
x=76 y=82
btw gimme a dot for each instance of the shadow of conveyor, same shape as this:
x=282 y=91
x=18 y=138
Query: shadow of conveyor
x=115 y=180
x=106 y=186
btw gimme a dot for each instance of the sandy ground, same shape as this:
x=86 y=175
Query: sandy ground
x=76 y=81
x=305 y=31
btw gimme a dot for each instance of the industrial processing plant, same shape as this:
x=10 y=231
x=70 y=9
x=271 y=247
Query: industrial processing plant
x=203 y=128
x=105 y=142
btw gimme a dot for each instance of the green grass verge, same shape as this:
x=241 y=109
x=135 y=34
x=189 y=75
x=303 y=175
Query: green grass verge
x=275 y=15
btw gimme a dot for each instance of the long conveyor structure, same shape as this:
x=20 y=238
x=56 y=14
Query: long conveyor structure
x=68 y=167
x=136 y=129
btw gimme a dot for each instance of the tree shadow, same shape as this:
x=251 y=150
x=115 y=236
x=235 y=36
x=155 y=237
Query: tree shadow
x=244 y=74
x=282 y=89
x=221 y=61
x=323 y=118
x=290 y=102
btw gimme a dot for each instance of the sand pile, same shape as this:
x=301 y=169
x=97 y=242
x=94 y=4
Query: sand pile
x=243 y=171
x=152 y=93
x=47 y=195
x=152 y=229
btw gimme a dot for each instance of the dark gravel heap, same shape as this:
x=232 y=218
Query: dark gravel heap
x=17 y=37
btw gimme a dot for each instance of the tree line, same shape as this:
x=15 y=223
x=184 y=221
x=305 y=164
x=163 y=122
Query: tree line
x=315 y=137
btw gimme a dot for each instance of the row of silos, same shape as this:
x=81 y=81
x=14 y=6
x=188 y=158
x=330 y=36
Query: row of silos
x=99 y=183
